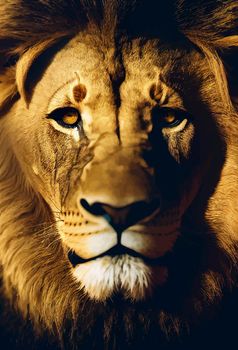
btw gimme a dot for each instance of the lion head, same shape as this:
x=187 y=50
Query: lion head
x=118 y=163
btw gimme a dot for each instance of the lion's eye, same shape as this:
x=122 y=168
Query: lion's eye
x=169 y=118
x=67 y=117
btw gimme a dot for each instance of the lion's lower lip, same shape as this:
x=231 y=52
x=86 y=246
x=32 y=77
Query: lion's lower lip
x=119 y=250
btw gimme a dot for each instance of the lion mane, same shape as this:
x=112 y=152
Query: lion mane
x=42 y=307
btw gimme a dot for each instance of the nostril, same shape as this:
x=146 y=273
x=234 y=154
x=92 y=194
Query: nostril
x=141 y=210
x=95 y=208
x=98 y=209
x=122 y=217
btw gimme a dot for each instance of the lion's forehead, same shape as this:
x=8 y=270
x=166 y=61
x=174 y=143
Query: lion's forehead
x=132 y=70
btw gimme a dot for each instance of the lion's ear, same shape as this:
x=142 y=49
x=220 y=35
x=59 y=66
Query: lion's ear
x=222 y=57
x=16 y=79
x=29 y=66
x=8 y=89
x=213 y=27
x=228 y=51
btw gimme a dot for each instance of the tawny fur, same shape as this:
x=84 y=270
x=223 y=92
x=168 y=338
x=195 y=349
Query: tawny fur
x=36 y=276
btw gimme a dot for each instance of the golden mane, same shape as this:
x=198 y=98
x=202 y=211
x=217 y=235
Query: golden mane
x=46 y=293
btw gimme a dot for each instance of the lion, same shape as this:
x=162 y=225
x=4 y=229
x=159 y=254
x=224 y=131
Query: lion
x=118 y=174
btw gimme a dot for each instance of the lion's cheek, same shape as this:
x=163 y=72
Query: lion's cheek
x=151 y=245
x=90 y=245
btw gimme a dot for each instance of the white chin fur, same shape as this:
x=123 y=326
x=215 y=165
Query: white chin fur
x=102 y=277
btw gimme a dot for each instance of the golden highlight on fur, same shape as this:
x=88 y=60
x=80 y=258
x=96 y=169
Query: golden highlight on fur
x=108 y=105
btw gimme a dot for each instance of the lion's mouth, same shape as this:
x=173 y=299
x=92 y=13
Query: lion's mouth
x=119 y=250
x=119 y=270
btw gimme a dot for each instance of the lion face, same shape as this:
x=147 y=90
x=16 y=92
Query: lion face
x=118 y=167
x=119 y=144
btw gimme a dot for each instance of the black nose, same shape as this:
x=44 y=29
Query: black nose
x=122 y=217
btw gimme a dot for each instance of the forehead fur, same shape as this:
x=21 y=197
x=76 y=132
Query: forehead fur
x=210 y=25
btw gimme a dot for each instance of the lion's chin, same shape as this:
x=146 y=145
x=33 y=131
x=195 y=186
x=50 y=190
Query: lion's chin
x=131 y=276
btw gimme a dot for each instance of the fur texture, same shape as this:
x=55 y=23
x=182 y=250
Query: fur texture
x=193 y=44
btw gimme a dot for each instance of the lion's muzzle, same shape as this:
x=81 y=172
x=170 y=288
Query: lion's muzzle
x=120 y=218
x=119 y=210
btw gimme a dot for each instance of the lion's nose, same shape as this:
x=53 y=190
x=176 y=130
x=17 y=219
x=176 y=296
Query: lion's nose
x=122 y=217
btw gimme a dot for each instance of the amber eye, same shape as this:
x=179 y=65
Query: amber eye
x=168 y=117
x=67 y=117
